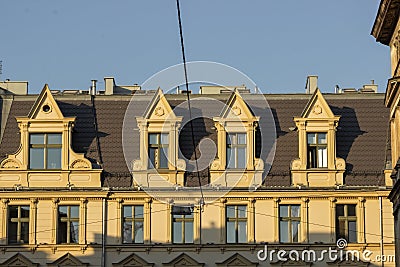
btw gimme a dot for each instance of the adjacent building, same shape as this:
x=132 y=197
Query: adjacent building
x=386 y=30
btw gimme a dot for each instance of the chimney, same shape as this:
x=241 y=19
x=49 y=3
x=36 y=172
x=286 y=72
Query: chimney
x=109 y=84
x=311 y=84
x=93 y=87
x=15 y=87
x=370 y=88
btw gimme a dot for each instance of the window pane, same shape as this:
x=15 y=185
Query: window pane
x=311 y=138
x=62 y=232
x=322 y=157
x=74 y=238
x=164 y=139
x=152 y=157
x=127 y=232
x=153 y=139
x=312 y=157
x=242 y=211
x=230 y=211
x=12 y=232
x=351 y=210
x=36 y=139
x=163 y=158
x=24 y=211
x=24 y=232
x=283 y=211
x=188 y=232
x=54 y=139
x=241 y=160
x=352 y=232
x=62 y=211
x=230 y=158
x=295 y=231
x=295 y=209
x=241 y=139
x=127 y=211
x=177 y=232
x=36 y=158
x=342 y=228
x=229 y=139
x=230 y=232
x=242 y=232
x=339 y=210
x=138 y=212
x=74 y=212
x=54 y=158
x=13 y=211
x=284 y=231
x=138 y=232
x=322 y=138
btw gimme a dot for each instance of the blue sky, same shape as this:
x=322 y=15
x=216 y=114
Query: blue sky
x=275 y=43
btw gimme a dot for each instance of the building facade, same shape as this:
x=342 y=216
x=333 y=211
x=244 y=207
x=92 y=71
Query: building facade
x=386 y=30
x=77 y=168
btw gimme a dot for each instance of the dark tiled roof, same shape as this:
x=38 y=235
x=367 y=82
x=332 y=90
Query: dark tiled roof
x=361 y=137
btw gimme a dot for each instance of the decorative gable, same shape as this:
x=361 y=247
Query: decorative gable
x=46 y=119
x=344 y=262
x=237 y=260
x=311 y=168
x=18 y=260
x=133 y=260
x=183 y=260
x=67 y=260
x=159 y=118
x=236 y=118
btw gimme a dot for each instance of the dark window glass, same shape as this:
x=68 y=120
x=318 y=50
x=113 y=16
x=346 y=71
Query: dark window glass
x=236 y=148
x=68 y=224
x=45 y=151
x=18 y=224
x=289 y=223
x=158 y=150
x=132 y=224
x=236 y=224
x=317 y=150
x=346 y=222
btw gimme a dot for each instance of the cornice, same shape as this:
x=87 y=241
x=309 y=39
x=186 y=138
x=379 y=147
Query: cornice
x=386 y=20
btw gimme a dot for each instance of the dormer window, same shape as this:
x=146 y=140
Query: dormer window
x=45 y=151
x=158 y=150
x=317 y=150
x=236 y=147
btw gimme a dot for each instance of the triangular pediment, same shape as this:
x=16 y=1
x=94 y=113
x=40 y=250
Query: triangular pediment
x=68 y=260
x=45 y=107
x=18 y=260
x=237 y=260
x=237 y=109
x=291 y=263
x=183 y=260
x=133 y=260
x=159 y=108
x=317 y=107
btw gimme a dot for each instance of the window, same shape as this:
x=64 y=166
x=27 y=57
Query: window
x=132 y=224
x=317 y=150
x=346 y=222
x=18 y=224
x=158 y=150
x=289 y=223
x=45 y=151
x=236 y=150
x=236 y=224
x=182 y=228
x=68 y=224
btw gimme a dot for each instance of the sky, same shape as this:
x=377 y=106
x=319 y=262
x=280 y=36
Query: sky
x=276 y=43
